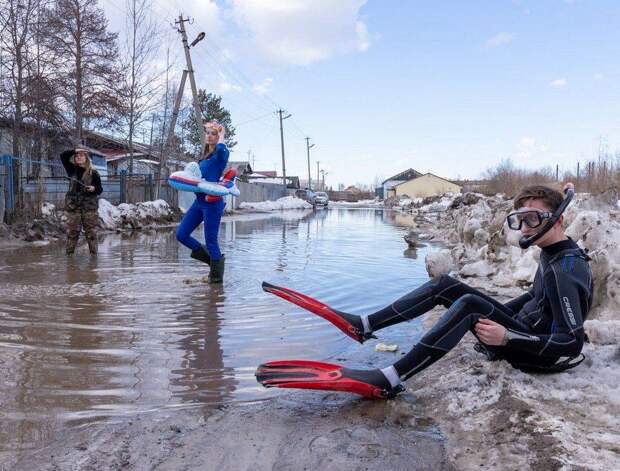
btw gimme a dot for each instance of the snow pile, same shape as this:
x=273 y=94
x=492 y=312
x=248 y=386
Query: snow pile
x=134 y=216
x=442 y=204
x=287 y=202
x=111 y=217
x=47 y=209
x=253 y=178
x=439 y=263
x=376 y=203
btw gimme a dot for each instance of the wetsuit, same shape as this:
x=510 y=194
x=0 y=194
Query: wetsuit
x=543 y=324
x=81 y=205
x=207 y=209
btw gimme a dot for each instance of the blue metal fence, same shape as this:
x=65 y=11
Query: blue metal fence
x=51 y=184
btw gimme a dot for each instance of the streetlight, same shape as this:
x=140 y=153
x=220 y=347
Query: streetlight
x=199 y=38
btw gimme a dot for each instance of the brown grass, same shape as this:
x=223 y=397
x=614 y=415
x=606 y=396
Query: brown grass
x=595 y=176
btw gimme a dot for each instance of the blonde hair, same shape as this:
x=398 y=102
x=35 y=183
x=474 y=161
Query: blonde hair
x=88 y=164
x=209 y=148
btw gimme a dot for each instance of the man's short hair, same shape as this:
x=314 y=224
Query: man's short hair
x=550 y=197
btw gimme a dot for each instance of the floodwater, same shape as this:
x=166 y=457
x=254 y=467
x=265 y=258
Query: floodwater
x=137 y=329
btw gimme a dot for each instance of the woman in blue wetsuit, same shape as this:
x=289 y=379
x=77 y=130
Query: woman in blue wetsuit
x=207 y=208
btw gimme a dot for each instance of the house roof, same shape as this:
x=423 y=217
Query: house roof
x=432 y=174
x=112 y=157
x=117 y=141
x=242 y=167
x=267 y=173
x=407 y=175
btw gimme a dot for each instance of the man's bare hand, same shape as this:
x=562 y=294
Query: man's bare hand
x=490 y=332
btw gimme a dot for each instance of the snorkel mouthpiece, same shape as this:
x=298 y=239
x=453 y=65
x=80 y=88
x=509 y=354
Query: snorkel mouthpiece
x=526 y=241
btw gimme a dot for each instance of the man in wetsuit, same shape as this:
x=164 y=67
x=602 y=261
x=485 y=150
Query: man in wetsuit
x=532 y=332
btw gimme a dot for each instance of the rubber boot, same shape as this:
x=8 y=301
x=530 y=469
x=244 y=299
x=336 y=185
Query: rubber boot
x=71 y=244
x=201 y=255
x=216 y=275
x=92 y=246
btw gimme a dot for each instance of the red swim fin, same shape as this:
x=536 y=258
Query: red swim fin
x=305 y=374
x=344 y=321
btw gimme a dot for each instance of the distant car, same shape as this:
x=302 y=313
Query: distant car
x=321 y=198
x=306 y=195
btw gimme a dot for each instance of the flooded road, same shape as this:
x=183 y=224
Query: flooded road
x=138 y=329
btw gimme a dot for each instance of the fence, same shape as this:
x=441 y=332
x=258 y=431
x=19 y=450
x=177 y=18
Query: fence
x=51 y=185
x=349 y=196
x=253 y=192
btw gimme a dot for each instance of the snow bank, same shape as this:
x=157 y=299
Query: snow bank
x=287 y=202
x=376 y=203
x=134 y=216
x=123 y=216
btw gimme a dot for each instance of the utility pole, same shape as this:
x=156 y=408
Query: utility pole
x=165 y=147
x=308 y=147
x=175 y=111
x=162 y=157
x=317 y=175
x=288 y=115
x=251 y=158
x=323 y=172
x=190 y=70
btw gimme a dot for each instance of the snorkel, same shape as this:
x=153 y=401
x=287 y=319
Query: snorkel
x=526 y=241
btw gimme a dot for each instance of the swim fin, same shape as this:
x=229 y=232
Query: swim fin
x=350 y=324
x=305 y=374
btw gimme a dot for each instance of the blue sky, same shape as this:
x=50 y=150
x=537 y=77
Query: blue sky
x=449 y=87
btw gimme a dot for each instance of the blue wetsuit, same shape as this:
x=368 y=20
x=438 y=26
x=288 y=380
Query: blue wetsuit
x=210 y=212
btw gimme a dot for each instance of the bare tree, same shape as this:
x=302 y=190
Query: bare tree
x=16 y=34
x=140 y=79
x=41 y=94
x=88 y=73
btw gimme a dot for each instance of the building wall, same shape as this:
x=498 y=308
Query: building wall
x=427 y=185
x=388 y=188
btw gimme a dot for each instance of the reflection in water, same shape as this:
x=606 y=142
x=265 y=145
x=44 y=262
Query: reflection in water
x=202 y=373
x=411 y=253
x=137 y=330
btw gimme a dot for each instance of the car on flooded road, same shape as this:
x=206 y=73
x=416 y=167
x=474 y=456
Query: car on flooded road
x=306 y=195
x=321 y=199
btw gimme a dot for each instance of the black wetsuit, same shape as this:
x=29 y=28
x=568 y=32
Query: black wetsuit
x=544 y=324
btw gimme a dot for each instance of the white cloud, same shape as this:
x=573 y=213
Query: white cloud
x=227 y=87
x=599 y=76
x=263 y=87
x=499 y=39
x=559 y=83
x=526 y=147
x=302 y=32
x=527 y=142
x=362 y=35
